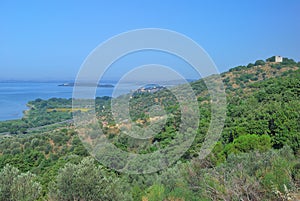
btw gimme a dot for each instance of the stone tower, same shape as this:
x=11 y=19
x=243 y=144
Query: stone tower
x=278 y=59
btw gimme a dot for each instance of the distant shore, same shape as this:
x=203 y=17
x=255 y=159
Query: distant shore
x=86 y=85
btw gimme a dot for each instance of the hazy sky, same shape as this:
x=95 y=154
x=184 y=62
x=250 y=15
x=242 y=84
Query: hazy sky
x=50 y=40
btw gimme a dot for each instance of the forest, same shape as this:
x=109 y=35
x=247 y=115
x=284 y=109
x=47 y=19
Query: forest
x=257 y=157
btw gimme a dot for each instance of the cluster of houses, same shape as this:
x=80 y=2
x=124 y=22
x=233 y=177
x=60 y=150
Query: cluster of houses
x=149 y=88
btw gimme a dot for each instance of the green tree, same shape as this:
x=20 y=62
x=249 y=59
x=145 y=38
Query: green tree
x=18 y=187
x=87 y=182
x=271 y=59
x=259 y=62
x=156 y=193
x=246 y=143
x=25 y=188
x=7 y=176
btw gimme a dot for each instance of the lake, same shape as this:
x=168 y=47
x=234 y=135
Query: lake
x=15 y=95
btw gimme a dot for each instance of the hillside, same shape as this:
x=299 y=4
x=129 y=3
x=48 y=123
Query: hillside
x=257 y=157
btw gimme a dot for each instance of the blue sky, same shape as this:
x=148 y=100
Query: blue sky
x=51 y=39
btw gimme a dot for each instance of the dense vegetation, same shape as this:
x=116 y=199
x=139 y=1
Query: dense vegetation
x=39 y=115
x=257 y=157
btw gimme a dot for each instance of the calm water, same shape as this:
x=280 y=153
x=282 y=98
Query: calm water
x=15 y=95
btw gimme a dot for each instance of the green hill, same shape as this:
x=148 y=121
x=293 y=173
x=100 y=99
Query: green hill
x=256 y=158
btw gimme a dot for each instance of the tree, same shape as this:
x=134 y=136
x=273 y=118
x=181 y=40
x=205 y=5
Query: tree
x=18 y=187
x=155 y=193
x=271 y=59
x=7 y=176
x=250 y=65
x=259 y=62
x=86 y=182
x=25 y=188
x=246 y=143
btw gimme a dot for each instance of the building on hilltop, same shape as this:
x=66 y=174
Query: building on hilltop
x=278 y=59
x=149 y=88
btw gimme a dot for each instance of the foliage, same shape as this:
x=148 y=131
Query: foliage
x=16 y=186
x=246 y=143
x=86 y=181
x=255 y=159
x=259 y=63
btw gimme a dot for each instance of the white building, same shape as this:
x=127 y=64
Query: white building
x=278 y=59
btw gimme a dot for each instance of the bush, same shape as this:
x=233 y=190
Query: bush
x=250 y=65
x=271 y=59
x=276 y=66
x=238 y=68
x=86 y=181
x=16 y=186
x=287 y=61
x=259 y=63
x=246 y=143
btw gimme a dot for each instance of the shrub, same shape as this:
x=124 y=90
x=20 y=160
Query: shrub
x=259 y=62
